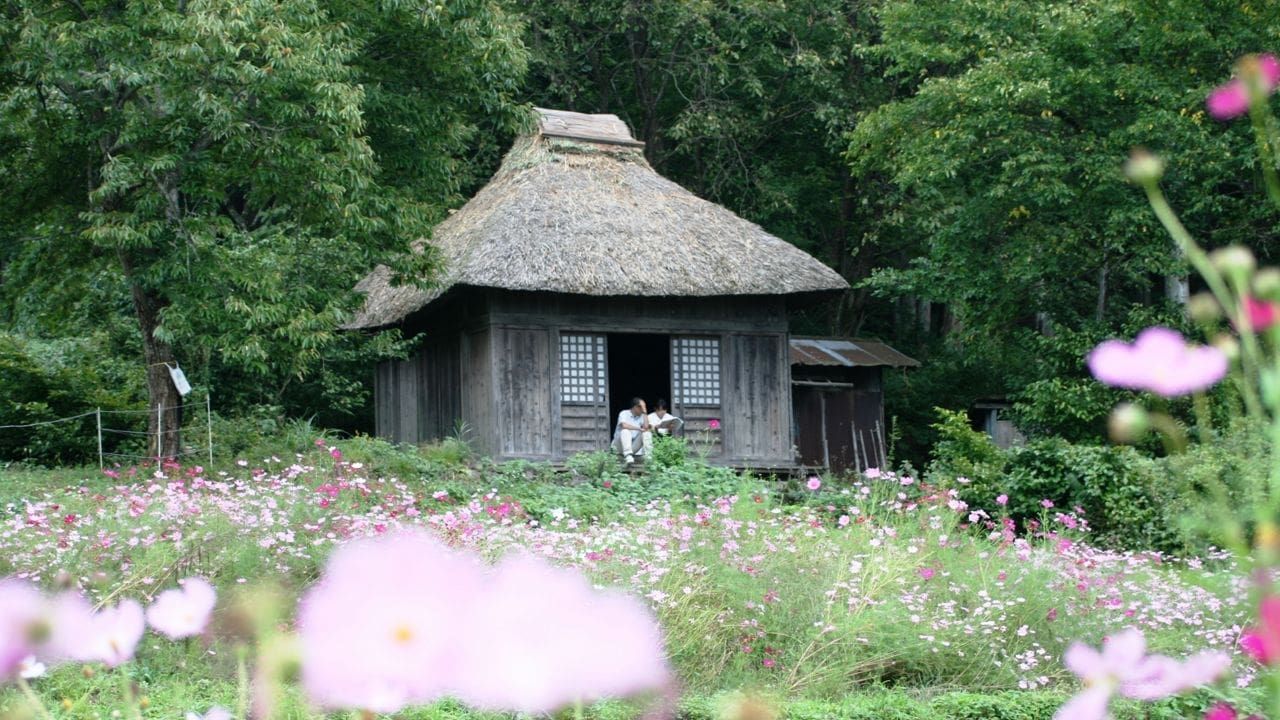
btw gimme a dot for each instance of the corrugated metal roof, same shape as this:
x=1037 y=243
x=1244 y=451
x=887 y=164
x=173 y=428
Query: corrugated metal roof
x=838 y=352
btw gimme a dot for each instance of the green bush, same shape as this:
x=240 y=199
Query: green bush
x=46 y=380
x=1124 y=495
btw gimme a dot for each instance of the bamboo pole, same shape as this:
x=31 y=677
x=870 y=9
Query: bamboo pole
x=98 y=416
x=208 y=417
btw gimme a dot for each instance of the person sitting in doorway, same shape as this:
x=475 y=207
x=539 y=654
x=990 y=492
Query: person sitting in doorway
x=663 y=422
x=633 y=434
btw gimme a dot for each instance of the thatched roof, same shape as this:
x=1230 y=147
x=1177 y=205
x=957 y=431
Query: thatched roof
x=575 y=208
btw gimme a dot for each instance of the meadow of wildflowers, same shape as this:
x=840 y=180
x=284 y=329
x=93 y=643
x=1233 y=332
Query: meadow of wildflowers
x=875 y=580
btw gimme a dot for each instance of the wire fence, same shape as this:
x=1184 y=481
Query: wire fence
x=128 y=435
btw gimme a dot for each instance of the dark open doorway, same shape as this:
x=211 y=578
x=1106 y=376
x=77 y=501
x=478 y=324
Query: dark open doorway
x=639 y=365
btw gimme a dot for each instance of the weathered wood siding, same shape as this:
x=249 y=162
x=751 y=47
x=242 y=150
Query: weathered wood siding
x=493 y=360
x=757 y=399
x=476 y=394
x=524 y=396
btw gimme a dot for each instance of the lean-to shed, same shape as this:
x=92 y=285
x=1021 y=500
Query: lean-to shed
x=837 y=391
x=577 y=278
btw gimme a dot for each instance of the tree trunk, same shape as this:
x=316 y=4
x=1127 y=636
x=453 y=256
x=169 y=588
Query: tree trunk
x=1100 y=309
x=164 y=437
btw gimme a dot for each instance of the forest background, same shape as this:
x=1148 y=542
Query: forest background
x=214 y=177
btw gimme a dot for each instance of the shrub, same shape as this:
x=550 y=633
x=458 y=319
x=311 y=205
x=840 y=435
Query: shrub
x=1123 y=494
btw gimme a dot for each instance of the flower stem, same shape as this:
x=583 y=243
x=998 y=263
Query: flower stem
x=1200 y=260
x=1259 y=116
x=131 y=700
x=242 y=682
x=33 y=699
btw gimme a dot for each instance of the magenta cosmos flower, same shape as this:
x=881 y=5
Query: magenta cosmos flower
x=542 y=638
x=383 y=627
x=814 y=483
x=185 y=611
x=1159 y=361
x=1124 y=668
x=1262 y=642
x=1232 y=99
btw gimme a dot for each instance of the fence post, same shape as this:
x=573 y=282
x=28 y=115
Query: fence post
x=159 y=432
x=98 y=415
x=208 y=418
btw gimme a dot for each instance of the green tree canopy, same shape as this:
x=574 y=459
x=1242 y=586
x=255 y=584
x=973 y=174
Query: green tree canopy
x=239 y=164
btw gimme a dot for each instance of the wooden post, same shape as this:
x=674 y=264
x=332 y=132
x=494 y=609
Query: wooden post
x=208 y=417
x=159 y=433
x=98 y=415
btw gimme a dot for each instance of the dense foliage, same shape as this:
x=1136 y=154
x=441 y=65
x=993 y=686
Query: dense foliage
x=204 y=182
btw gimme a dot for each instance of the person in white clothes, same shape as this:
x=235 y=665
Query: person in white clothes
x=632 y=434
x=663 y=422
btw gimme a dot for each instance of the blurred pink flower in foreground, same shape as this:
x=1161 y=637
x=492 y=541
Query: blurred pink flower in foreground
x=1223 y=711
x=402 y=620
x=20 y=605
x=1262 y=642
x=183 y=612
x=1124 y=668
x=382 y=627
x=109 y=636
x=1232 y=99
x=542 y=638
x=1262 y=314
x=1160 y=361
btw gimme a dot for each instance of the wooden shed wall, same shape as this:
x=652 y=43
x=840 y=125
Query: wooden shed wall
x=498 y=372
x=757 y=399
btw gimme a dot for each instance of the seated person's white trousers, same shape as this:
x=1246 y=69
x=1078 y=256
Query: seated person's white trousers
x=630 y=442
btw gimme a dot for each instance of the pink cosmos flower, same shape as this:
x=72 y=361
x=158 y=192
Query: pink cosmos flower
x=1262 y=643
x=542 y=638
x=183 y=612
x=1160 y=361
x=926 y=573
x=713 y=424
x=382 y=628
x=20 y=615
x=108 y=636
x=1231 y=100
x=1002 y=499
x=1124 y=668
x=1262 y=314
x=1223 y=711
x=1046 y=503
x=814 y=483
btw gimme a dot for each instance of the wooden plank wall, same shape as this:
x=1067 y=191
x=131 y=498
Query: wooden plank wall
x=476 y=397
x=523 y=376
x=757 y=399
x=439 y=399
x=584 y=428
x=703 y=440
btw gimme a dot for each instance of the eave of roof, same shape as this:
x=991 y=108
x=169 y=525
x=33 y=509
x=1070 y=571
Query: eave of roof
x=841 y=352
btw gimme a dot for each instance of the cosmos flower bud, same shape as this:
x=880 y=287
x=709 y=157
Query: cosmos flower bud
x=1227 y=345
x=1142 y=167
x=1128 y=423
x=1266 y=283
x=1203 y=308
x=1233 y=260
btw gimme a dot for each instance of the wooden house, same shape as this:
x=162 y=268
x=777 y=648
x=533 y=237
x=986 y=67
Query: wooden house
x=578 y=278
x=837 y=391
